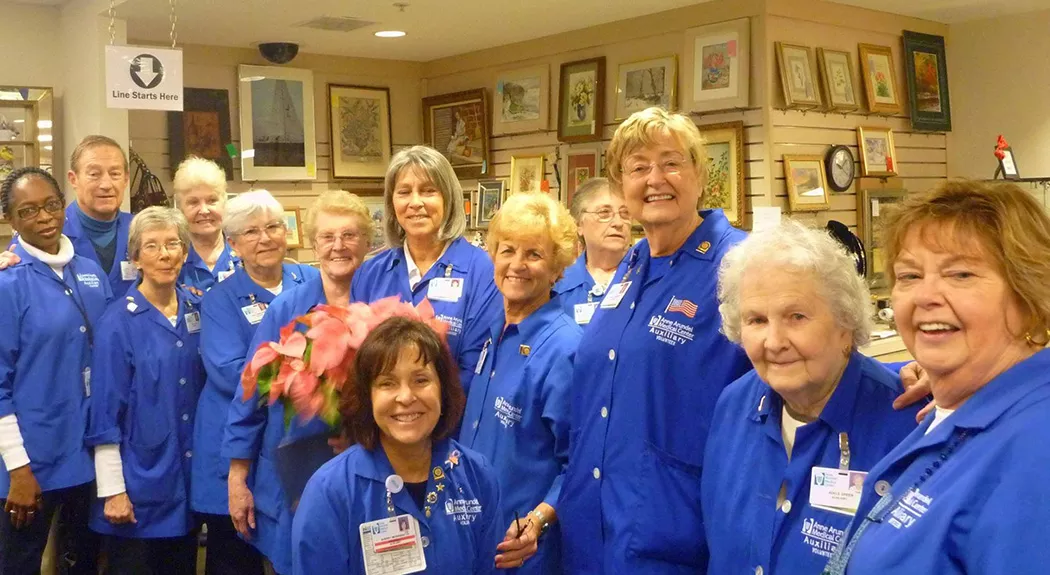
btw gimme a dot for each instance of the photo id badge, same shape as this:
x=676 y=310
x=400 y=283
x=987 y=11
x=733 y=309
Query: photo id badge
x=837 y=490
x=445 y=289
x=615 y=295
x=254 y=313
x=128 y=271
x=224 y=275
x=392 y=546
x=193 y=322
x=583 y=312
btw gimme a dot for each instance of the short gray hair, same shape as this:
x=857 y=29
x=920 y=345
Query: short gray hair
x=793 y=245
x=439 y=171
x=194 y=172
x=586 y=191
x=246 y=206
x=152 y=218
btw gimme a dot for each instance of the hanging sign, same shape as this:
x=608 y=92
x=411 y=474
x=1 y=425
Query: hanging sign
x=143 y=78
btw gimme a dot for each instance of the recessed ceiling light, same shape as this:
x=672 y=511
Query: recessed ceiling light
x=390 y=33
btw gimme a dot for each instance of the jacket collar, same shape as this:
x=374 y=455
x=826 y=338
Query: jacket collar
x=455 y=253
x=376 y=466
x=532 y=328
x=1001 y=393
x=575 y=276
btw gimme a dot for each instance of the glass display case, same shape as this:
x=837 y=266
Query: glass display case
x=26 y=128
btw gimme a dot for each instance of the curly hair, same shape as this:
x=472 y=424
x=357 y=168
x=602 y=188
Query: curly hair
x=7 y=188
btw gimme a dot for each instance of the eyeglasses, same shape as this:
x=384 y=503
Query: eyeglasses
x=328 y=238
x=669 y=167
x=152 y=249
x=274 y=230
x=606 y=215
x=53 y=206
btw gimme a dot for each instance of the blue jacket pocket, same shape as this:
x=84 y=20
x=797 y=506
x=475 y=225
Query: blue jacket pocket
x=153 y=474
x=666 y=522
x=266 y=489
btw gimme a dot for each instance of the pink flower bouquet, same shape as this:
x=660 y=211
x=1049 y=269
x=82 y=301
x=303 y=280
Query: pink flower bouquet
x=306 y=371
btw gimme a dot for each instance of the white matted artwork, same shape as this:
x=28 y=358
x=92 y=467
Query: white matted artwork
x=376 y=208
x=640 y=85
x=717 y=66
x=278 y=140
x=522 y=101
x=526 y=174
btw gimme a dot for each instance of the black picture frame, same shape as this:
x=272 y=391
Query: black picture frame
x=927 y=73
x=202 y=129
x=1008 y=167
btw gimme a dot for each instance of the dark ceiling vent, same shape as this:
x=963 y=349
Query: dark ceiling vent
x=335 y=24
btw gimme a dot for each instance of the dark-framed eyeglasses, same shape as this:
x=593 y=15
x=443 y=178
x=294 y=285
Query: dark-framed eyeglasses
x=53 y=206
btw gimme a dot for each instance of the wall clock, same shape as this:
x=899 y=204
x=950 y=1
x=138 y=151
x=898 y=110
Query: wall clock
x=841 y=168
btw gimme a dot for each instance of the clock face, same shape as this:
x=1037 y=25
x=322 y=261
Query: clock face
x=842 y=168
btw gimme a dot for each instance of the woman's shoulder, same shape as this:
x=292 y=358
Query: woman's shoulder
x=466 y=254
x=745 y=390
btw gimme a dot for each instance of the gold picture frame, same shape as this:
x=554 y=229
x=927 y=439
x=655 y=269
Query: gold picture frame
x=457 y=125
x=526 y=174
x=798 y=75
x=837 y=78
x=878 y=155
x=806 y=182
x=724 y=186
x=880 y=79
x=359 y=131
x=871 y=207
x=293 y=220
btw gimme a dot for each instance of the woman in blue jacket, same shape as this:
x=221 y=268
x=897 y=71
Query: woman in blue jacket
x=518 y=407
x=970 y=278
x=604 y=226
x=791 y=441
x=428 y=257
x=50 y=305
x=405 y=487
x=200 y=193
x=339 y=225
x=147 y=376
x=230 y=313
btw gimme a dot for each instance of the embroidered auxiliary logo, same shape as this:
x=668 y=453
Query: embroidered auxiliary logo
x=820 y=538
x=506 y=413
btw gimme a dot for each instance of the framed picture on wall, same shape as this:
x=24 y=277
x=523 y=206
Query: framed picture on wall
x=1007 y=165
x=807 y=185
x=871 y=210
x=717 y=66
x=376 y=207
x=836 y=75
x=725 y=170
x=277 y=123
x=927 y=74
x=640 y=85
x=526 y=174
x=880 y=79
x=490 y=198
x=202 y=129
x=878 y=157
x=292 y=222
x=457 y=125
x=581 y=163
x=522 y=99
x=797 y=75
x=359 y=131
x=581 y=101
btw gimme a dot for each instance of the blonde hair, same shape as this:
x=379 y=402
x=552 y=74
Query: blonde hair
x=152 y=218
x=194 y=172
x=440 y=173
x=343 y=203
x=643 y=128
x=1000 y=219
x=527 y=214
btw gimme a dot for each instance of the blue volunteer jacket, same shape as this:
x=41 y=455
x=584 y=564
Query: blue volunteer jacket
x=44 y=351
x=647 y=375
x=255 y=430
x=83 y=247
x=969 y=497
x=230 y=314
x=147 y=376
x=469 y=318
x=746 y=462
x=517 y=416
x=459 y=536
x=195 y=272
x=576 y=288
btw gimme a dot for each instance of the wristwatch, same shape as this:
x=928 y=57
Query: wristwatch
x=543 y=520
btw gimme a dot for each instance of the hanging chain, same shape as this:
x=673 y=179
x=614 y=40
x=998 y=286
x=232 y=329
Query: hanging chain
x=174 y=19
x=112 y=22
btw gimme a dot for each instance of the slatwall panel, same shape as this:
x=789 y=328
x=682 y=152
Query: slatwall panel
x=922 y=158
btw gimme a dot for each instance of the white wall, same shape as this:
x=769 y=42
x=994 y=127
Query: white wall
x=999 y=78
x=30 y=45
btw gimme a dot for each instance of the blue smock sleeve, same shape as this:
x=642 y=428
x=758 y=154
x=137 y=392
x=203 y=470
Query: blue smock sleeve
x=320 y=543
x=1009 y=536
x=221 y=345
x=10 y=332
x=485 y=308
x=246 y=420
x=111 y=375
x=556 y=415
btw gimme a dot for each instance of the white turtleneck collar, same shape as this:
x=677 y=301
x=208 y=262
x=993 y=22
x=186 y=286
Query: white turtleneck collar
x=55 y=261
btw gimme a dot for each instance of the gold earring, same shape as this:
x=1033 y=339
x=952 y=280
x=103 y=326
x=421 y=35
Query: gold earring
x=1031 y=341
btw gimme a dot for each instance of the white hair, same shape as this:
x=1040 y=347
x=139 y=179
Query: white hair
x=194 y=172
x=794 y=246
x=157 y=217
x=244 y=207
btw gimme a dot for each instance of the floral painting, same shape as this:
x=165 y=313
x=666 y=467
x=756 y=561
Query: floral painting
x=359 y=125
x=359 y=128
x=724 y=186
x=580 y=101
x=880 y=79
x=926 y=72
x=718 y=188
x=716 y=70
x=927 y=83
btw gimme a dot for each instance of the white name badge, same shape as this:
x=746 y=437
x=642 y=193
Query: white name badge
x=445 y=289
x=193 y=322
x=583 y=312
x=224 y=275
x=254 y=313
x=837 y=490
x=615 y=294
x=128 y=271
x=392 y=546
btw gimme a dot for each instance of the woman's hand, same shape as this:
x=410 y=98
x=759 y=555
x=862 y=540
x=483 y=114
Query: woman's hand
x=916 y=388
x=8 y=258
x=242 y=503
x=522 y=539
x=118 y=509
x=24 y=498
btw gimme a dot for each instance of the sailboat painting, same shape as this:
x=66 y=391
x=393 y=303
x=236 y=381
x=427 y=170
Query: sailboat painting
x=277 y=124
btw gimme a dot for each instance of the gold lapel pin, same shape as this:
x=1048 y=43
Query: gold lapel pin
x=703 y=247
x=524 y=350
